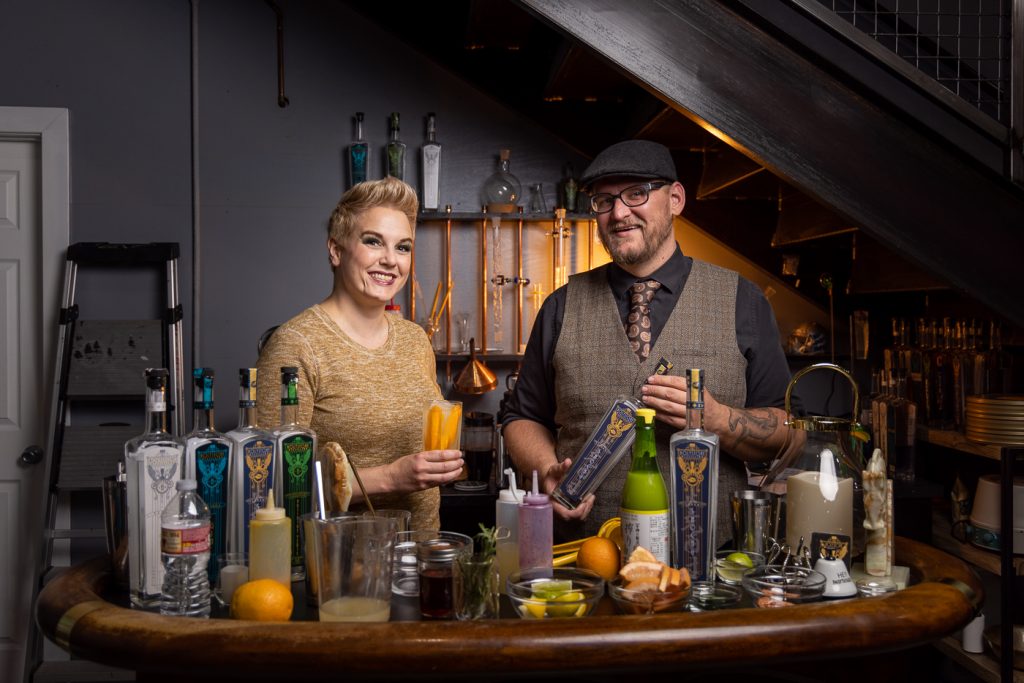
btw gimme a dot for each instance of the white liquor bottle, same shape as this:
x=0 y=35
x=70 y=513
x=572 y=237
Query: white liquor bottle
x=294 y=454
x=153 y=462
x=252 y=473
x=693 y=453
x=431 y=153
x=208 y=456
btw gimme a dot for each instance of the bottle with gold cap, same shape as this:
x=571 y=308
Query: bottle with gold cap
x=644 y=508
x=270 y=544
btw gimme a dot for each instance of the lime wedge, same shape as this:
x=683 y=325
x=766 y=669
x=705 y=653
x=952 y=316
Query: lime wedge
x=550 y=589
x=741 y=559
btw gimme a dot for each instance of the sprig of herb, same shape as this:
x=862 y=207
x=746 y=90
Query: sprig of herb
x=485 y=543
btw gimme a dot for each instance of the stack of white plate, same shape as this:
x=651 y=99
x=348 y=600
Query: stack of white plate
x=995 y=418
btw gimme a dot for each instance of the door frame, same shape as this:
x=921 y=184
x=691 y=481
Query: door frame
x=49 y=127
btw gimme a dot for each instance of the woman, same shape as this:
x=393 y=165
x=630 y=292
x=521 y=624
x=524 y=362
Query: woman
x=365 y=376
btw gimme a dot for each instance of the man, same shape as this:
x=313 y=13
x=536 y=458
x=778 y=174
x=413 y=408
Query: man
x=588 y=346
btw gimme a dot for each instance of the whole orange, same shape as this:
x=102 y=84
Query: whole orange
x=600 y=555
x=262 y=600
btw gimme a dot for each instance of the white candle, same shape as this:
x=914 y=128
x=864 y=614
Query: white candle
x=817 y=502
x=231 y=577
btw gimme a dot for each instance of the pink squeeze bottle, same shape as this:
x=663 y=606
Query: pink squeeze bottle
x=535 y=529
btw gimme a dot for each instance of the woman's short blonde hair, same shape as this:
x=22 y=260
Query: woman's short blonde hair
x=387 y=192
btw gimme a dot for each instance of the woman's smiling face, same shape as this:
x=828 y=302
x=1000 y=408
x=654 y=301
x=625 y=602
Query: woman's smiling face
x=373 y=263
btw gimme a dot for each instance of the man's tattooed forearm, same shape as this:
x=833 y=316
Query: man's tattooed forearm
x=757 y=424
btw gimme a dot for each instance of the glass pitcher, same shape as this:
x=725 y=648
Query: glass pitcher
x=821 y=478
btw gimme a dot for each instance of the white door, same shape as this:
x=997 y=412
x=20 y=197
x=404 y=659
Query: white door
x=28 y=304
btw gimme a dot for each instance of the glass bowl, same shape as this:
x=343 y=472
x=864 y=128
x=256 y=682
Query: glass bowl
x=777 y=586
x=646 y=601
x=554 y=593
x=729 y=570
x=708 y=596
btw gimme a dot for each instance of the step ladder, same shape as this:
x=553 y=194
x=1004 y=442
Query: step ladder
x=98 y=373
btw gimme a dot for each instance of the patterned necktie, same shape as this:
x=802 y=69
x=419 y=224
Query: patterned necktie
x=638 y=322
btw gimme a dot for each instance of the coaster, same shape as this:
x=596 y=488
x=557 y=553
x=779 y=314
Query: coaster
x=470 y=485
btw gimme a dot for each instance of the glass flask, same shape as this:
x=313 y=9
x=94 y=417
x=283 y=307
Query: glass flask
x=502 y=190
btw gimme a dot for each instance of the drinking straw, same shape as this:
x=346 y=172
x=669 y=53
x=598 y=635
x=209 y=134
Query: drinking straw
x=320 y=488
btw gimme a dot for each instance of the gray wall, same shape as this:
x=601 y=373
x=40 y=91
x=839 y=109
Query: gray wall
x=268 y=176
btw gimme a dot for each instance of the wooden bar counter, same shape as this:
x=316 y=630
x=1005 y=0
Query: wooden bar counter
x=830 y=640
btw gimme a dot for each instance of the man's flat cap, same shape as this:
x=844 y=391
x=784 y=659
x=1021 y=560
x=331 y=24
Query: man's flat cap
x=631 y=158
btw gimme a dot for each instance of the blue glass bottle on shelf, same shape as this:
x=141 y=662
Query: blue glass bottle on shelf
x=358 y=154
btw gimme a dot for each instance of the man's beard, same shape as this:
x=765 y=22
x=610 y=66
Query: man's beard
x=654 y=235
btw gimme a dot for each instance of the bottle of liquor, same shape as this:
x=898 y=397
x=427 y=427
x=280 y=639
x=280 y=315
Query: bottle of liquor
x=942 y=378
x=879 y=411
x=902 y=434
x=998 y=363
x=154 y=462
x=359 y=155
x=693 y=453
x=570 y=189
x=927 y=353
x=959 y=361
x=431 y=154
x=395 y=151
x=208 y=458
x=294 y=453
x=979 y=380
x=252 y=472
x=915 y=378
x=644 y=506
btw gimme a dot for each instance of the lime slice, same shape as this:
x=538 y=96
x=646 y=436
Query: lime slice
x=741 y=559
x=550 y=589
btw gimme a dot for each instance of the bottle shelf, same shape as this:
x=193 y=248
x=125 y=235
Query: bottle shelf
x=463 y=216
x=942 y=538
x=957 y=441
x=984 y=666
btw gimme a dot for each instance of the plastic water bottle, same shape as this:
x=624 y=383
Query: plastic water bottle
x=185 y=552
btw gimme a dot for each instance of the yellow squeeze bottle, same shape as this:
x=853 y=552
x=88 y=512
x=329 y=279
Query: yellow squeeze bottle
x=270 y=544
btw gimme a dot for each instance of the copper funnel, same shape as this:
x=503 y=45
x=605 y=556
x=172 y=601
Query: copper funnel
x=475 y=378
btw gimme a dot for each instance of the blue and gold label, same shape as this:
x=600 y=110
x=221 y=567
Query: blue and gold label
x=693 y=517
x=613 y=434
x=257 y=478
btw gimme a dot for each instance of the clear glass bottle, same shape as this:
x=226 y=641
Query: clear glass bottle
x=644 y=509
x=501 y=190
x=294 y=454
x=208 y=458
x=693 y=453
x=942 y=379
x=252 y=469
x=185 y=536
x=902 y=435
x=358 y=154
x=915 y=378
x=395 y=151
x=431 y=156
x=570 y=189
x=153 y=462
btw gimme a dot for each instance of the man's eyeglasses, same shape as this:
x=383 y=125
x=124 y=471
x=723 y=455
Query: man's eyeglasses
x=632 y=196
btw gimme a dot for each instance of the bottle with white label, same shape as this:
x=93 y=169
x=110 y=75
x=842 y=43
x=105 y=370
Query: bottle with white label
x=153 y=462
x=644 y=508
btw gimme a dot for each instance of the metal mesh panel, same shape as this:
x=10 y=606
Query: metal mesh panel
x=962 y=44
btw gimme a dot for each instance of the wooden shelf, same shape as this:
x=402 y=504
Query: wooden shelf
x=438 y=216
x=984 y=666
x=942 y=538
x=957 y=441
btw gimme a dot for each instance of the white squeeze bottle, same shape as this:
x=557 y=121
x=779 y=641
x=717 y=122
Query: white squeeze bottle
x=270 y=544
x=506 y=516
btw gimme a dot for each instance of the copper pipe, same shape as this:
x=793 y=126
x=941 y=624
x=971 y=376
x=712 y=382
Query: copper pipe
x=483 y=279
x=448 y=277
x=519 y=284
x=412 y=286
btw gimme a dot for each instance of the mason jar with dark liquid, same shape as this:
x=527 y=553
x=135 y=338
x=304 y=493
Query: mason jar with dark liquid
x=436 y=559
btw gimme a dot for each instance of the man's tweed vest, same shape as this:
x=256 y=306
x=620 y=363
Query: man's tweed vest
x=593 y=364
